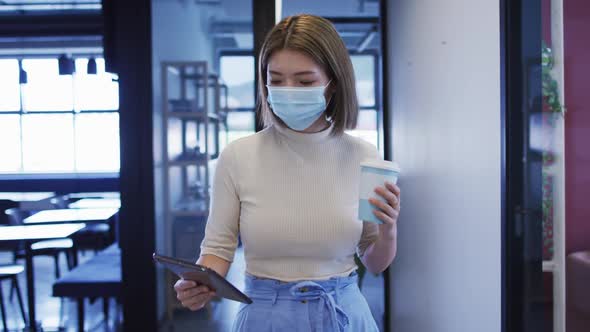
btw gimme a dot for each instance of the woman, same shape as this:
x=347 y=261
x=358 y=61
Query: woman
x=291 y=192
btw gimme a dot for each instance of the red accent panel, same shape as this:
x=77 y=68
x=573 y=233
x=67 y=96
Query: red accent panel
x=577 y=123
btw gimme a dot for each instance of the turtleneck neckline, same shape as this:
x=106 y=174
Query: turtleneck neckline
x=296 y=136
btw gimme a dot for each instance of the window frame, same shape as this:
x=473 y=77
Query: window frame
x=74 y=112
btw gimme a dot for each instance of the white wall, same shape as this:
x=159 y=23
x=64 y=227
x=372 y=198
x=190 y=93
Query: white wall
x=445 y=99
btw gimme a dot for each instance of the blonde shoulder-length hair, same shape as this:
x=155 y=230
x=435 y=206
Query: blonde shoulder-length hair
x=318 y=38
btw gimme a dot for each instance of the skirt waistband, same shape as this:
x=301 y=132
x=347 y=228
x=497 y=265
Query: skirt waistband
x=254 y=284
x=326 y=291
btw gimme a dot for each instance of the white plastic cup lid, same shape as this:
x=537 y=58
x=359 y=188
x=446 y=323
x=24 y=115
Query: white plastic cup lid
x=381 y=164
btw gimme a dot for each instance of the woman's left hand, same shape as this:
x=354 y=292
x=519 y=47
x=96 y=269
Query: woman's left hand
x=388 y=211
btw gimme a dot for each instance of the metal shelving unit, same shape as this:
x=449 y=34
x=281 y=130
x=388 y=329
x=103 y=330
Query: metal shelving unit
x=194 y=114
x=195 y=98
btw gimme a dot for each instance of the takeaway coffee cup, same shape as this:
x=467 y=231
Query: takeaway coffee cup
x=374 y=173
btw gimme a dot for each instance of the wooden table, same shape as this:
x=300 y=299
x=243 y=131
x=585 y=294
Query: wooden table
x=29 y=234
x=62 y=216
x=88 y=203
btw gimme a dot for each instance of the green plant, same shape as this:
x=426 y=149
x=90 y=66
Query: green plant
x=550 y=88
x=553 y=106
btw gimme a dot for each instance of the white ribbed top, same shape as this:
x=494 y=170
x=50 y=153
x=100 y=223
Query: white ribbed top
x=293 y=199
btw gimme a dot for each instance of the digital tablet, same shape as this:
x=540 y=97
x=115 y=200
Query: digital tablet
x=203 y=275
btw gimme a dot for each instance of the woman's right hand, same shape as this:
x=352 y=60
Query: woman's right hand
x=192 y=296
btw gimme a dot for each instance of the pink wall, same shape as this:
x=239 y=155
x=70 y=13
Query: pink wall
x=577 y=123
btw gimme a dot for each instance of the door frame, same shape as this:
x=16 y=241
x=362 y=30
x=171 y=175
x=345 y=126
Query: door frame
x=128 y=50
x=520 y=41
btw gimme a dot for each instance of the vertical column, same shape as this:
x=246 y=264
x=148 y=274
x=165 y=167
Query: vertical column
x=559 y=193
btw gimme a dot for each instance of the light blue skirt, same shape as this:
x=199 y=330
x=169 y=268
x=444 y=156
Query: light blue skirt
x=334 y=305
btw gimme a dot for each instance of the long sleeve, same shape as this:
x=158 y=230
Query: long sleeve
x=221 y=232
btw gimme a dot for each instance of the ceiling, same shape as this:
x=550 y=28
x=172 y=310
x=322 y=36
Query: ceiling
x=231 y=23
x=26 y=6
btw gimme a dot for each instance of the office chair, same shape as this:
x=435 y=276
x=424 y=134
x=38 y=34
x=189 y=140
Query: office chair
x=51 y=248
x=11 y=272
x=92 y=237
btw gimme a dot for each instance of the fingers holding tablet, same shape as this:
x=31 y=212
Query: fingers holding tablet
x=191 y=295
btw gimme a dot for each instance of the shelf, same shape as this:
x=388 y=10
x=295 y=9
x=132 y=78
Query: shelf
x=191 y=207
x=190 y=213
x=186 y=163
x=191 y=162
x=210 y=76
x=549 y=266
x=193 y=98
x=191 y=115
x=222 y=115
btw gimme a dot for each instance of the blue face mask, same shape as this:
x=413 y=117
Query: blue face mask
x=298 y=107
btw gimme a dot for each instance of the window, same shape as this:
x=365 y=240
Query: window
x=9 y=89
x=58 y=123
x=95 y=92
x=237 y=72
x=48 y=142
x=364 y=72
x=97 y=142
x=10 y=143
x=364 y=66
x=241 y=124
x=46 y=90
